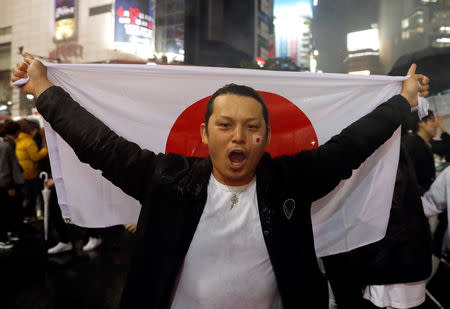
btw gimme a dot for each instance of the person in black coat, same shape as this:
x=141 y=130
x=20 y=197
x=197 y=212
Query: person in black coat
x=11 y=180
x=173 y=189
x=402 y=256
x=441 y=147
x=421 y=147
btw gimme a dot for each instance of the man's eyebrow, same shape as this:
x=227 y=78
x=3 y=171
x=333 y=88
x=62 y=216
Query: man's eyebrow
x=230 y=118
x=225 y=117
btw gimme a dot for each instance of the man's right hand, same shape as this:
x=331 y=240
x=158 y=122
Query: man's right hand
x=35 y=71
x=416 y=85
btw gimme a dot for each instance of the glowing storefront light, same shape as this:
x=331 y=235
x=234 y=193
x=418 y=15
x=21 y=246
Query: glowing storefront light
x=303 y=8
x=362 y=72
x=443 y=40
x=362 y=40
x=292 y=30
x=65 y=25
x=363 y=54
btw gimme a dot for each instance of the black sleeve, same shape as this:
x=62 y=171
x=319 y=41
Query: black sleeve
x=7 y=154
x=445 y=137
x=123 y=162
x=320 y=170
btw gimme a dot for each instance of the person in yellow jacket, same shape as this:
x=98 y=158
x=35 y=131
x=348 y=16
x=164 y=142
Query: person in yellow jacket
x=28 y=154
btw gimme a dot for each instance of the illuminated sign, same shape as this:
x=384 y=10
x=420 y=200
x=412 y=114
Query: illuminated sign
x=134 y=21
x=362 y=72
x=362 y=40
x=64 y=52
x=294 y=8
x=65 y=20
x=260 y=61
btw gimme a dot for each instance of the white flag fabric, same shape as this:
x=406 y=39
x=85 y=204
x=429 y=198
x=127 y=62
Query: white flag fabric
x=144 y=103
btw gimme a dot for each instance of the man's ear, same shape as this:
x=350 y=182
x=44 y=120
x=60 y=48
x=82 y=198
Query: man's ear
x=204 y=133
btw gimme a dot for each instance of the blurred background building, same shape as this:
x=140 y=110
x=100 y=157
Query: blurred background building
x=194 y=32
x=369 y=36
x=336 y=30
x=70 y=31
x=363 y=55
x=293 y=37
x=213 y=32
x=410 y=25
x=339 y=36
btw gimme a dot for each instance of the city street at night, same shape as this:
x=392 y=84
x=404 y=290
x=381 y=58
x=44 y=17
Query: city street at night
x=224 y=154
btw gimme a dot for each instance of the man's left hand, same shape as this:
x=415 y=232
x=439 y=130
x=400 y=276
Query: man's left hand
x=416 y=84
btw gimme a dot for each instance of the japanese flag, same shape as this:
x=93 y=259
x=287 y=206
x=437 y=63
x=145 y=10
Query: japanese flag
x=161 y=109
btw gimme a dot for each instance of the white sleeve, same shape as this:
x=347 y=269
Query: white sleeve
x=436 y=199
x=423 y=107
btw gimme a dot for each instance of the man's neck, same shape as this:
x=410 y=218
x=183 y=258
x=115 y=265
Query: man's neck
x=424 y=136
x=232 y=182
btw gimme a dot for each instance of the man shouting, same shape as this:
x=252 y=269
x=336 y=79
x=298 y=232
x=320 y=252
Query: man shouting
x=232 y=230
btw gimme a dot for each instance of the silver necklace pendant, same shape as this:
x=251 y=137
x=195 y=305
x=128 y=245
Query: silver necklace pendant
x=234 y=200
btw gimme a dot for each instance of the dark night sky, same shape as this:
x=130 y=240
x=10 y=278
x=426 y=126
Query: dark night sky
x=333 y=19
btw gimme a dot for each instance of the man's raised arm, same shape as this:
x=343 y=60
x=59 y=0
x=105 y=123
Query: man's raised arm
x=122 y=162
x=324 y=167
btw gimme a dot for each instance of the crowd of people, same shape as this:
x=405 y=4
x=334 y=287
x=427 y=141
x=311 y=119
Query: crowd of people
x=178 y=249
x=23 y=156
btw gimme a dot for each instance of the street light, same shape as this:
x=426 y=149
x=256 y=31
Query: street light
x=30 y=97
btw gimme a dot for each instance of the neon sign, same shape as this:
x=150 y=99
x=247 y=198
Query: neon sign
x=65 y=25
x=134 y=21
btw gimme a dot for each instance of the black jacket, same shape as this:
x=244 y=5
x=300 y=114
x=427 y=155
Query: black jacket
x=423 y=161
x=404 y=254
x=10 y=170
x=172 y=191
x=442 y=147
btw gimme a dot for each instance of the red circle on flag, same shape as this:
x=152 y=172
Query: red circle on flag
x=292 y=131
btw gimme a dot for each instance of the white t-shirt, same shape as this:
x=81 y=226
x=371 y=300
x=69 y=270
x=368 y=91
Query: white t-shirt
x=402 y=295
x=227 y=264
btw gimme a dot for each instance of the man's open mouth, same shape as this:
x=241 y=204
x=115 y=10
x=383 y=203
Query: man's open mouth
x=237 y=158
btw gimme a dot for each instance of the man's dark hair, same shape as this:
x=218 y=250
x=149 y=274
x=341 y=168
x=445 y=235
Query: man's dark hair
x=240 y=90
x=413 y=121
x=11 y=128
